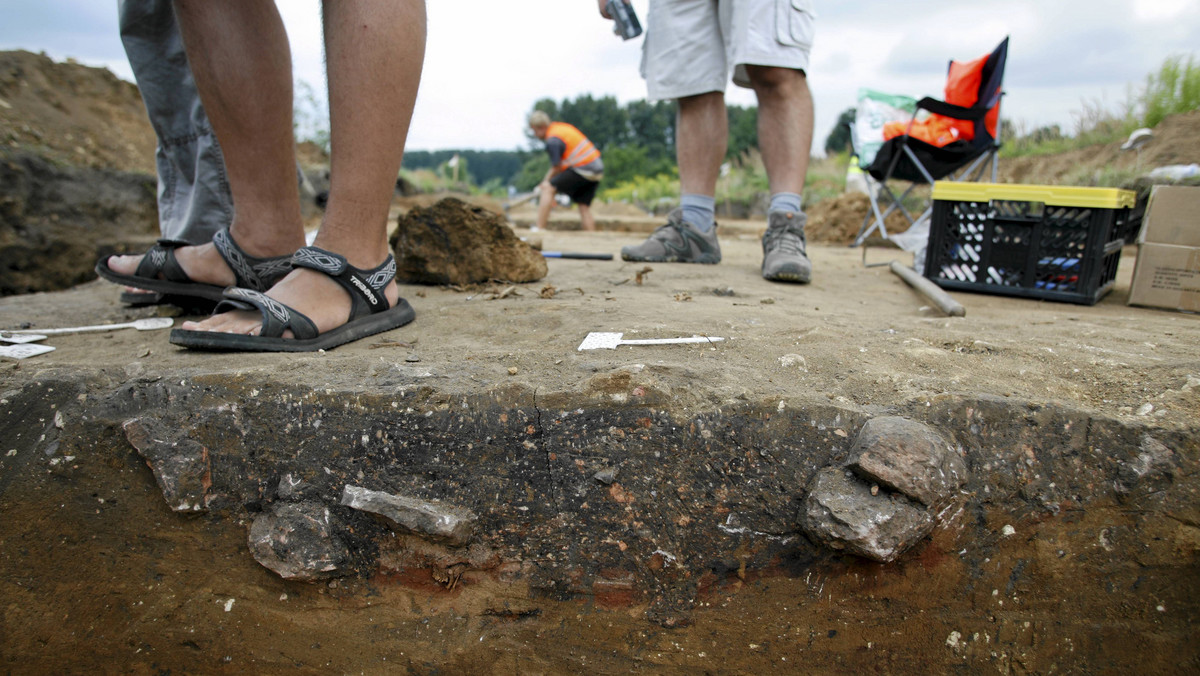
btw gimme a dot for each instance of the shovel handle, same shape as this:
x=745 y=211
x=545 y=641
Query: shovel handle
x=930 y=290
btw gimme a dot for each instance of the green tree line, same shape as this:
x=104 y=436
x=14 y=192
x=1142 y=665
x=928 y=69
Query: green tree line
x=482 y=167
x=636 y=139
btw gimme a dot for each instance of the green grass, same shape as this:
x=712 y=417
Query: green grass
x=644 y=191
x=1174 y=88
x=741 y=182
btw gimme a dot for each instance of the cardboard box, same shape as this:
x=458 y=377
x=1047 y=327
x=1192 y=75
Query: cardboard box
x=1167 y=274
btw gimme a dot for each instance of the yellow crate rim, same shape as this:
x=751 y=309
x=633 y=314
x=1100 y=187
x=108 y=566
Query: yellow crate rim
x=1051 y=195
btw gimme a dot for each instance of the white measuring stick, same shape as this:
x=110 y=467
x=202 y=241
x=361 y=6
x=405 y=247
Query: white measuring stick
x=23 y=351
x=670 y=341
x=150 y=324
x=605 y=340
x=6 y=337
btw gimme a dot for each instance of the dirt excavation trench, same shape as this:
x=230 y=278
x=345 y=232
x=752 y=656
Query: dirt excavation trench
x=848 y=481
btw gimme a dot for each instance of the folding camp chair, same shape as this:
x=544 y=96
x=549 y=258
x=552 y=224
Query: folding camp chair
x=969 y=120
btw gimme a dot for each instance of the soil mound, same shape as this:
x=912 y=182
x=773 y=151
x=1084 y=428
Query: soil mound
x=73 y=114
x=452 y=242
x=838 y=219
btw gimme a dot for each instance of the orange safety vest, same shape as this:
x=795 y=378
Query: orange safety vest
x=962 y=89
x=580 y=150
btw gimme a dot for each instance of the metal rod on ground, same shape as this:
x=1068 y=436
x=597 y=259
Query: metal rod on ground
x=930 y=290
x=573 y=254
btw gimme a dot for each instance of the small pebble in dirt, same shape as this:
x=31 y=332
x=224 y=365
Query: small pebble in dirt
x=512 y=370
x=767 y=301
x=724 y=291
x=794 y=361
x=412 y=359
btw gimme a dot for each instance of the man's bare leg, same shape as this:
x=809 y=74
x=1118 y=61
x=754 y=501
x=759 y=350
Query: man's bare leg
x=239 y=55
x=785 y=131
x=785 y=125
x=701 y=139
x=545 y=204
x=586 y=220
x=374 y=51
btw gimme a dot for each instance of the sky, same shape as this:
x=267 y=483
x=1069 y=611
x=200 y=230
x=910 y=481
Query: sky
x=488 y=61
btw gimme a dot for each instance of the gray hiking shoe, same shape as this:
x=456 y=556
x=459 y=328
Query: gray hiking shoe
x=784 y=259
x=676 y=242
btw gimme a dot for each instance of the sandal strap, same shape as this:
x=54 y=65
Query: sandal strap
x=276 y=316
x=160 y=259
x=251 y=272
x=366 y=287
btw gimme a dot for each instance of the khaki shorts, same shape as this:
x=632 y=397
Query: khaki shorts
x=691 y=45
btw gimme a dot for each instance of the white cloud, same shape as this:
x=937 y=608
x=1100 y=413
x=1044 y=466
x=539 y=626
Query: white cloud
x=488 y=62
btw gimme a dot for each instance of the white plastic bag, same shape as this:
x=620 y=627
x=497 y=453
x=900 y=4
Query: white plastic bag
x=875 y=109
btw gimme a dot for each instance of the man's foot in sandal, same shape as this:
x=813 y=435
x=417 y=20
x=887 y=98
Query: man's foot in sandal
x=341 y=303
x=174 y=268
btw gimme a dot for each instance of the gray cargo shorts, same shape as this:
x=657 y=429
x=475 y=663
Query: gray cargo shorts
x=691 y=46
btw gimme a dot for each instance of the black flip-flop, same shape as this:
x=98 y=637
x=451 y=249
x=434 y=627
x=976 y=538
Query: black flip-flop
x=160 y=272
x=370 y=312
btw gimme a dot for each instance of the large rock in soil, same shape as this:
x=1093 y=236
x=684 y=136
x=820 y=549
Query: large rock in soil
x=299 y=541
x=843 y=513
x=909 y=457
x=455 y=243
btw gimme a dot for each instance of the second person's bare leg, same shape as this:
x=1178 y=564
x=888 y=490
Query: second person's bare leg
x=374 y=51
x=545 y=204
x=785 y=125
x=586 y=220
x=700 y=144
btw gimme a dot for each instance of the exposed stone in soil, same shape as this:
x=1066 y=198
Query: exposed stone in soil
x=910 y=458
x=844 y=513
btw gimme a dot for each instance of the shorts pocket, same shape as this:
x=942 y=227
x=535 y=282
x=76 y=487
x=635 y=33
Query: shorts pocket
x=794 y=22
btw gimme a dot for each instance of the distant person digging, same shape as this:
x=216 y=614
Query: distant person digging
x=575 y=168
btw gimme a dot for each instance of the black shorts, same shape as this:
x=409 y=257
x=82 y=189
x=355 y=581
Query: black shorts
x=575 y=186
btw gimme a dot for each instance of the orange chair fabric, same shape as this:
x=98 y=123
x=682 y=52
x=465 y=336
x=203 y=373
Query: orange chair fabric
x=962 y=89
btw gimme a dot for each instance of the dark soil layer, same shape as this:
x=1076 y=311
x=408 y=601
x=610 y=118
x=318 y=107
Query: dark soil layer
x=1057 y=556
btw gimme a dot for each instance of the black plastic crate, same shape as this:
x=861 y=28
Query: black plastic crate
x=1046 y=242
